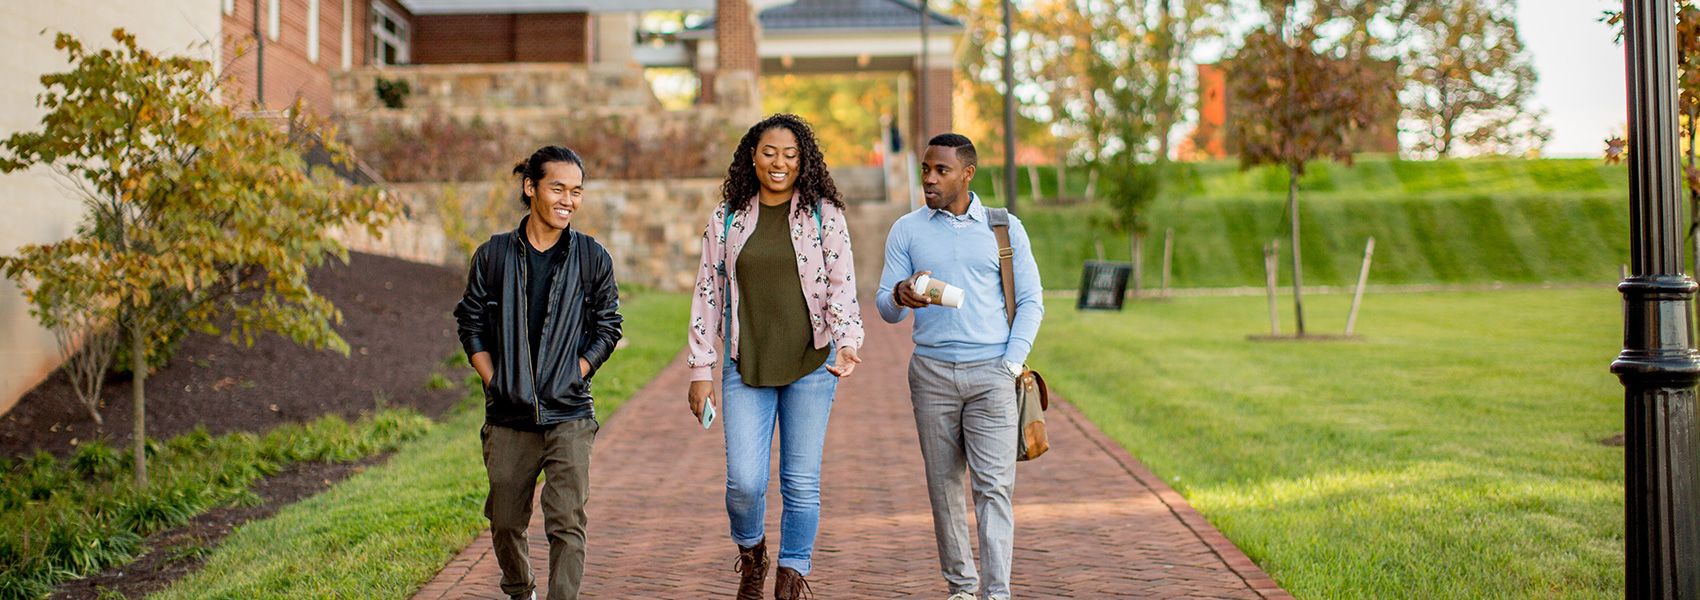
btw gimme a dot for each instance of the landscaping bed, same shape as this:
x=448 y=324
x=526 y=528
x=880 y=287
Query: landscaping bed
x=399 y=327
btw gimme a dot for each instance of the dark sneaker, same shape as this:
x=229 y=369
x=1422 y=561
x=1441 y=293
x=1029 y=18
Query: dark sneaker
x=752 y=570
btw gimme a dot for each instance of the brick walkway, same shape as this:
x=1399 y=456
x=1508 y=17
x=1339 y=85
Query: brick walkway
x=1091 y=521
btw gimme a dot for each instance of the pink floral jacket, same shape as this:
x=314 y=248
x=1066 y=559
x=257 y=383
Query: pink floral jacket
x=825 y=267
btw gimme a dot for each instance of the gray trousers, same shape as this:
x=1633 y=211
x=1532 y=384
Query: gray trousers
x=966 y=416
x=513 y=459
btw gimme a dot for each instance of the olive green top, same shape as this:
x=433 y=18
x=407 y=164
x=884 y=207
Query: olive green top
x=775 y=339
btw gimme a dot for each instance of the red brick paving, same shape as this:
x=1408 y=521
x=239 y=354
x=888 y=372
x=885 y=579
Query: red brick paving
x=1091 y=521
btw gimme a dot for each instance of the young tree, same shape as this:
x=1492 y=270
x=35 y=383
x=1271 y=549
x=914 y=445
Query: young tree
x=1111 y=75
x=196 y=217
x=980 y=88
x=1301 y=95
x=1468 y=81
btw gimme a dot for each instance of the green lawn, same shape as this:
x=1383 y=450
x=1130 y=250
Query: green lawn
x=387 y=531
x=63 y=519
x=1452 y=452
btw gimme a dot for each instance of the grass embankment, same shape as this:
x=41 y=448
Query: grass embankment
x=1457 y=221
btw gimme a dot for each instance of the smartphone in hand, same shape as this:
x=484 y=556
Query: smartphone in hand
x=707 y=413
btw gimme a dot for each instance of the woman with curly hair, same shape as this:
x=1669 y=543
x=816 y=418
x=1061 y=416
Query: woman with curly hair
x=775 y=300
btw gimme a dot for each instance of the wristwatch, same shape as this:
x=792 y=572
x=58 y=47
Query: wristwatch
x=1014 y=369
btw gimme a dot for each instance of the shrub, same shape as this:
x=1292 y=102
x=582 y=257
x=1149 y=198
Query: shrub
x=392 y=92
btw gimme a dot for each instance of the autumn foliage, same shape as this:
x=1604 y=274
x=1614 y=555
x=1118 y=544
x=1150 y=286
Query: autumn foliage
x=196 y=216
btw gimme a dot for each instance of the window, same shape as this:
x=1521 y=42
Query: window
x=274 y=20
x=389 y=36
x=313 y=31
x=347 y=34
x=229 y=7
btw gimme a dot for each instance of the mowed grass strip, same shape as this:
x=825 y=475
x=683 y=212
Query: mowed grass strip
x=1445 y=239
x=1451 y=452
x=1370 y=174
x=387 y=531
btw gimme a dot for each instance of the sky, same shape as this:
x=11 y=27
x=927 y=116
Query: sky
x=1581 y=72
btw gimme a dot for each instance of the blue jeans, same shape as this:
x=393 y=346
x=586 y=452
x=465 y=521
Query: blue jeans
x=748 y=414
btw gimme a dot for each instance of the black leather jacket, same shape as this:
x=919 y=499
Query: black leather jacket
x=582 y=320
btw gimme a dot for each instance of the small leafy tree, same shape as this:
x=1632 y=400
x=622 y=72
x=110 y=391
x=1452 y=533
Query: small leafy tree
x=196 y=217
x=74 y=306
x=1110 y=75
x=1301 y=95
x=1468 y=81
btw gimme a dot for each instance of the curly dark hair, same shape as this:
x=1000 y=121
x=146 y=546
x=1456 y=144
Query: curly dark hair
x=814 y=182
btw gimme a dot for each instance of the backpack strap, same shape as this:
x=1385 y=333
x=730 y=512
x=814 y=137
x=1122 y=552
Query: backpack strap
x=726 y=292
x=998 y=218
x=726 y=295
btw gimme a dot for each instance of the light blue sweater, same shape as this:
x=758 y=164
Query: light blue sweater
x=963 y=251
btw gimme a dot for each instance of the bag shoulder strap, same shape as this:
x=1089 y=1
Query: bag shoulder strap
x=726 y=292
x=998 y=218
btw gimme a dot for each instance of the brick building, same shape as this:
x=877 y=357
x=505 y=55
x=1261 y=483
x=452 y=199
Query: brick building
x=809 y=37
x=297 y=45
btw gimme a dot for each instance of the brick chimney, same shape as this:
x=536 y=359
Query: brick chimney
x=736 y=31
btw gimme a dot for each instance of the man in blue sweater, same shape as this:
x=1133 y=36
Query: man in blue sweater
x=962 y=378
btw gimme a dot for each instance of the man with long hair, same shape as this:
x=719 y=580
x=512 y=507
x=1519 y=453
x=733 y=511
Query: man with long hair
x=539 y=317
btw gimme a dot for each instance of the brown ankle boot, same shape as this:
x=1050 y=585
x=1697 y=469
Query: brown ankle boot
x=752 y=570
x=790 y=585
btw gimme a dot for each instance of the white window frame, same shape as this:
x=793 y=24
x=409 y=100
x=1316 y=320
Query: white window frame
x=347 y=34
x=274 y=19
x=313 y=31
x=401 y=40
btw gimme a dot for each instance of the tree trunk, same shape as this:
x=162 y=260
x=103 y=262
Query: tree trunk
x=1136 y=243
x=1165 y=110
x=138 y=428
x=1298 y=270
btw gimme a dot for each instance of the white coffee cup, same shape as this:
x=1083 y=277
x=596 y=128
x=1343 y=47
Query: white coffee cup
x=939 y=292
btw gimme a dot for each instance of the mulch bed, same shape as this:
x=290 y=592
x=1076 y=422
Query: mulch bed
x=398 y=323
x=399 y=327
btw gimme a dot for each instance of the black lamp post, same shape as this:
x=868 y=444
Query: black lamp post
x=1008 y=108
x=926 y=131
x=1659 y=365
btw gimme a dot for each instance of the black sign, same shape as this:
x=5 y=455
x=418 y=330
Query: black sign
x=1102 y=284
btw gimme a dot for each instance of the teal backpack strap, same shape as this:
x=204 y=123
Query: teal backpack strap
x=726 y=292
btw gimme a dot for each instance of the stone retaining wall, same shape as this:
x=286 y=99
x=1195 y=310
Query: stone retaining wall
x=653 y=229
